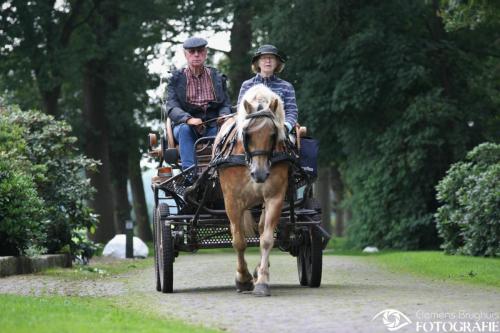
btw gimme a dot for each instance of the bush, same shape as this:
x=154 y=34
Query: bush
x=58 y=171
x=469 y=220
x=21 y=210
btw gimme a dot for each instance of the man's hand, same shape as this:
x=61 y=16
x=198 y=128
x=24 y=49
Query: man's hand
x=194 y=121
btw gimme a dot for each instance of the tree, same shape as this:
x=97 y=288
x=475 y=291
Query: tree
x=37 y=41
x=241 y=44
x=389 y=94
x=115 y=82
x=92 y=53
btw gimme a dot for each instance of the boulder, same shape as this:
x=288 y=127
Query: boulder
x=116 y=247
x=370 y=249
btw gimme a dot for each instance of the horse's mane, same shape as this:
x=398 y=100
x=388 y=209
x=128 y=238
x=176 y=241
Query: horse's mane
x=260 y=97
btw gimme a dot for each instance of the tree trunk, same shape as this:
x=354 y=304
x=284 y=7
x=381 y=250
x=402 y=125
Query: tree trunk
x=437 y=33
x=338 y=196
x=139 y=199
x=241 y=44
x=322 y=193
x=97 y=147
x=119 y=167
x=50 y=101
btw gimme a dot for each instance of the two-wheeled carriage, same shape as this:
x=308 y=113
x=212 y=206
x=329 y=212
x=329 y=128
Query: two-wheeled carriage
x=189 y=213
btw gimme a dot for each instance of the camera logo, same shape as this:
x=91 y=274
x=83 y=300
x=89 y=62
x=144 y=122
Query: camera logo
x=393 y=319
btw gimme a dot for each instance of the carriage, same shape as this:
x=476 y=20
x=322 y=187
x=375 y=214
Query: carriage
x=189 y=216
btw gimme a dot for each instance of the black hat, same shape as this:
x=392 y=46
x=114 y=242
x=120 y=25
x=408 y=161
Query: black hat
x=267 y=49
x=194 y=43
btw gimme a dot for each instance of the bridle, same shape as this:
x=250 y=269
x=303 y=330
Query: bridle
x=246 y=137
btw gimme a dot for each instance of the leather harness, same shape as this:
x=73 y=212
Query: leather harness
x=224 y=158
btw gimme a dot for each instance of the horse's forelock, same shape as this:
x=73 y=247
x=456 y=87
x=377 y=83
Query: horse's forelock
x=256 y=96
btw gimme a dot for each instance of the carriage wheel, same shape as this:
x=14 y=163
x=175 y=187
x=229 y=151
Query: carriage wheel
x=310 y=256
x=165 y=250
x=310 y=259
x=155 y=242
x=313 y=258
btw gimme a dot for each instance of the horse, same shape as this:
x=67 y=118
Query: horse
x=258 y=131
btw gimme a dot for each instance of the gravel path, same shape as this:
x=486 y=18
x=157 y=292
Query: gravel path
x=353 y=291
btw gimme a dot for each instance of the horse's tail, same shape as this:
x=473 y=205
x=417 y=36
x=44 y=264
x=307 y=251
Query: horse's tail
x=248 y=224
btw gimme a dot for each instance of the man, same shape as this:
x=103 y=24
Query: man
x=195 y=94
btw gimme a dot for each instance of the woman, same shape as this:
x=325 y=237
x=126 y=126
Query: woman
x=265 y=63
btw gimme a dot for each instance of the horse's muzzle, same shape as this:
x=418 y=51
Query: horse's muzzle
x=260 y=175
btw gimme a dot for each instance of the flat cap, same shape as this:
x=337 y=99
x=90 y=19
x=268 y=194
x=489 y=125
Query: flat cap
x=267 y=49
x=194 y=42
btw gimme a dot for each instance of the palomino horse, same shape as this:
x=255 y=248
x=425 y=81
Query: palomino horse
x=259 y=131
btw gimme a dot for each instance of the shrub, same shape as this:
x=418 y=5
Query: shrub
x=469 y=220
x=59 y=174
x=22 y=212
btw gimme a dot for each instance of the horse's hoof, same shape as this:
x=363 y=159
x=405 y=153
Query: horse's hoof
x=244 y=286
x=261 y=289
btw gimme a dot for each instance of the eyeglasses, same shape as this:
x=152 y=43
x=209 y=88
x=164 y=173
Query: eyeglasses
x=193 y=51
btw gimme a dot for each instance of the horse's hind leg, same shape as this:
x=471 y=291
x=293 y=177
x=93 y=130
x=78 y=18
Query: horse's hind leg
x=272 y=214
x=244 y=281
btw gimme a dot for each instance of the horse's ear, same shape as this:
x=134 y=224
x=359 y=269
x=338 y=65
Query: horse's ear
x=248 y=106
x=274 y=105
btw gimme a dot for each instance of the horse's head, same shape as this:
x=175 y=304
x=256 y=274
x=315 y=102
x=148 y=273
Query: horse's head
x=261 y=128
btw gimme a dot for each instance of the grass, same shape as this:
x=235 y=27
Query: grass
x=100 y=268
x=431 y=264
x=21 y=314
x=439 y=266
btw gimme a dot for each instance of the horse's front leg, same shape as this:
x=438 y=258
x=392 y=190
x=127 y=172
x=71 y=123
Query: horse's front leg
x=271 y=220
x=244 y=280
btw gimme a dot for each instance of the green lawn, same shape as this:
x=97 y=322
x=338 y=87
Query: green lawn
x=99 y=269
x=432 y=264
x=439 y=266
x=20 y=314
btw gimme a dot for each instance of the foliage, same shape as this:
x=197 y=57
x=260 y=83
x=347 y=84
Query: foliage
x=50 y=51
x=57 y=170
x=22 y=211
x=469 y=220
x=393 y=99
x=459 y=14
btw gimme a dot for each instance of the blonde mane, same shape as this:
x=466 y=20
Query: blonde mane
x=260 y=98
